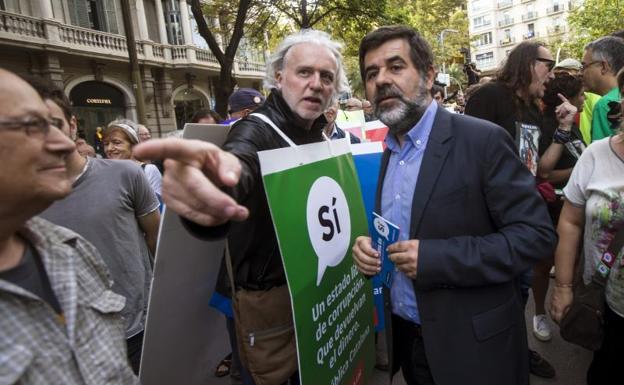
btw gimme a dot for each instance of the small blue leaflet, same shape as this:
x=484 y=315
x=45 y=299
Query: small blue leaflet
x=383 y=234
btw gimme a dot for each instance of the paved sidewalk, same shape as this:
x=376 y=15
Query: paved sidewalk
x=570 y=361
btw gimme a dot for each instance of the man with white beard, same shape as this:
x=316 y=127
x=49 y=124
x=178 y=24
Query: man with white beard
x=471 y=222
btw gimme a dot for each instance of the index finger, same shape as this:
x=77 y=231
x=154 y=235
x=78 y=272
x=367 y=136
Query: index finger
x=563 y=98
x=196 y=153
x=183 y=150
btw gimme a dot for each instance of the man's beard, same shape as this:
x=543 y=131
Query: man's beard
x=401 y=118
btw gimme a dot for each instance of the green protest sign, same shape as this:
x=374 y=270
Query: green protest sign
x=317 y=209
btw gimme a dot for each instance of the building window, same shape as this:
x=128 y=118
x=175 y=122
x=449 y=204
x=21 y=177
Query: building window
x=481 y=21
x=98 y=15
x=16 y=6
x=151 y=14
x=198 y=40
x=530 y=31
x=171 y=9
x=484 y=39
x=485 y=59
x=479 y=5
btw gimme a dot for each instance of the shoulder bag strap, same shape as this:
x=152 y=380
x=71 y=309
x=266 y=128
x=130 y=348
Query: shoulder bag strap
x=268 y=121
x=228 y=265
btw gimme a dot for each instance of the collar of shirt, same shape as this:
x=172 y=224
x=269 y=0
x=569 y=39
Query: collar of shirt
x=417 y=134
x=334 y=132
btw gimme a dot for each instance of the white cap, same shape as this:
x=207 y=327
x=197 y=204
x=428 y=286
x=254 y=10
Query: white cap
x=570 y=64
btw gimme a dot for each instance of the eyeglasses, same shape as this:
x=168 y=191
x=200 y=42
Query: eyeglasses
x=591 y=63
x=33 y=126
x=549 y=62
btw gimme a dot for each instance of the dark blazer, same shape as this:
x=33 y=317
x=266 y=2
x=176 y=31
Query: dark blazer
x=481 y=224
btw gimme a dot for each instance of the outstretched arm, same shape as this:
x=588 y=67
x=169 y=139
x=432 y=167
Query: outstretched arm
x=195 y=172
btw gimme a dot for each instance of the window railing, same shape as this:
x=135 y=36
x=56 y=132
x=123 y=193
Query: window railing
x=89 y=42
x=482 y=25
x=485 y=62
x=506 y=22
x=507 y=41
x=556 y=29
x=529 y=16
x=21 y=25
x=529 y=35
x=557 y=8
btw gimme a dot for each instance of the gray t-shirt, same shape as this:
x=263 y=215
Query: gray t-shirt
x=103 y=207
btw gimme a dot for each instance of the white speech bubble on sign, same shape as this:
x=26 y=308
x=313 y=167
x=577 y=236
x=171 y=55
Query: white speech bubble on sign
x=382 y=227
x=329 y=223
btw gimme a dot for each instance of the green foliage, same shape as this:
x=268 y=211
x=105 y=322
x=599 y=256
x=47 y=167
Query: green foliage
x=432 y=17
x=591 y=20
x=221 y=16
x=348 y=21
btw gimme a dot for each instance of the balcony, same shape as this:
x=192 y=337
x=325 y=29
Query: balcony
x=504 y=4
x=556 y=30
x=557 y=8
x=505 y=22
x=507 y=41
x=529 y=16
x=46 y=34
x=29 y=27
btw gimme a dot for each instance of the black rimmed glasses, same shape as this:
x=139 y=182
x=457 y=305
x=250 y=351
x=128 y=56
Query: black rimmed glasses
x=33 y=126
x=591 y=63
x=550 y=63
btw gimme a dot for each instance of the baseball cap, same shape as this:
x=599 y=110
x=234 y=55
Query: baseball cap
x=569 y=64
x=245 y=98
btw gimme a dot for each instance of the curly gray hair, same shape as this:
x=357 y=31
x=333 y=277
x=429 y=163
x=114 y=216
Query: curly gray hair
x=276 y=61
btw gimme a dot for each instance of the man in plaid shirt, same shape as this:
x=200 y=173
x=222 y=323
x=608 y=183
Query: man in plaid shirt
x=60 y=321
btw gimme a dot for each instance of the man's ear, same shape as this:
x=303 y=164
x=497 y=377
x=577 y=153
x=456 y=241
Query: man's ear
x=245 y=112
x=278 y=79
x=606 y=68
x=73 y=127
x=430 y=78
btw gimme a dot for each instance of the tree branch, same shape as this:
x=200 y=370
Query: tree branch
x=239 y=28
x=205 y=32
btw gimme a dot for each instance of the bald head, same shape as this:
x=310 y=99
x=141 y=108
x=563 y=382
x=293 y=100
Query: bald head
x=32 y=152
x=18 y=98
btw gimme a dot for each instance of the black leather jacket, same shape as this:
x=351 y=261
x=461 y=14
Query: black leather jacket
x=253 y=244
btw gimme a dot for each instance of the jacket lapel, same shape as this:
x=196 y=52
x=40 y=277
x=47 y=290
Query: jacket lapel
x=435 y=154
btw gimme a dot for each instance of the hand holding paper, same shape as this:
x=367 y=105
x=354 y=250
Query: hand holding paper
x=405 y=255
x=383 y=234
x=365 y=257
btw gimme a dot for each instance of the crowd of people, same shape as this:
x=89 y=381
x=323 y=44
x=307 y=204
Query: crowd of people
x=524 y=173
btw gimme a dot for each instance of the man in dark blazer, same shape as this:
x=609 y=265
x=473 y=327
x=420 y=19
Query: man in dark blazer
x=471 y=222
